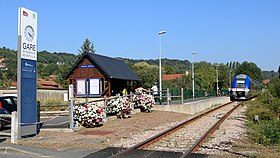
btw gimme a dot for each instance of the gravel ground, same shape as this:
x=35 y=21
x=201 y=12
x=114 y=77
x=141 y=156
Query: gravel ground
x=230 y=131
x=113 y=133
x=188 y=135
x=229 y=141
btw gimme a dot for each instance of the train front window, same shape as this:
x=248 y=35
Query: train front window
x=240 y=84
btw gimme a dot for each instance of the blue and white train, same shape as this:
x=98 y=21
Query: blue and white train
x=243 y=88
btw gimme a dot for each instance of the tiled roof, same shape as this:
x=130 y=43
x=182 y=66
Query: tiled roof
x=167 y=77
x=113 y=68
x=42 y=84
x=265 y=82
x=47 y=83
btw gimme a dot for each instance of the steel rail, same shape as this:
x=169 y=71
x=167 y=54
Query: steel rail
x=202 y=139
x=165 y=133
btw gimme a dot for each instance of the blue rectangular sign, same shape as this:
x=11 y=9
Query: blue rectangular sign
x=28 y=101
x=28 y=92
x=87 y=66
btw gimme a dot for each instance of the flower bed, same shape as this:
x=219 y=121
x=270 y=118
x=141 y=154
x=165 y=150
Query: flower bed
x=121 y=106
x=93 y=114
x=146 y=102
x=89 y=115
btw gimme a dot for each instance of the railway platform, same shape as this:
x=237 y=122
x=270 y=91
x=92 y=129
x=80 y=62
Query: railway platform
x=191 y=106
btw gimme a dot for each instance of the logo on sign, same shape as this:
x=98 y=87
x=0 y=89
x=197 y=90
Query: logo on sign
x=28 y=65
x=25 y=13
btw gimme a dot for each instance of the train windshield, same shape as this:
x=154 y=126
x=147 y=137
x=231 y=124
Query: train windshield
x=240 y=83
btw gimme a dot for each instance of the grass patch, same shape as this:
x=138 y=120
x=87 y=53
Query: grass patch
x=240 y=146
x=215 y=105
x=149 y=129
x=210 y=138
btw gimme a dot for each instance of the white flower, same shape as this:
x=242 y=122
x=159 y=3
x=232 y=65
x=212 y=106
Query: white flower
x=89 y=115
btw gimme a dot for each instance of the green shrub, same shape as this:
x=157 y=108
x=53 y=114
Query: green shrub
x=258 y=109
x=274 y=87
x=270 y=131
x=267 y=107
x=270 y=102
x=266 y=132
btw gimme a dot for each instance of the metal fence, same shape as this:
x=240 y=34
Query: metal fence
x=181 y=94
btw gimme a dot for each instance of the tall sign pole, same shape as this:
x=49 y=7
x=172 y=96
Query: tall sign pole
x=27 y=72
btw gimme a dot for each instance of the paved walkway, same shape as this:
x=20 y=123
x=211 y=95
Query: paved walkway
x=19 y=151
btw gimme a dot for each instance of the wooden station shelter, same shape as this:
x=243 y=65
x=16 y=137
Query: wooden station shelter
x=97 y=76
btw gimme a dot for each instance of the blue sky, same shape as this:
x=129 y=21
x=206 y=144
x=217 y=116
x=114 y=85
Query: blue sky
x=219 y=30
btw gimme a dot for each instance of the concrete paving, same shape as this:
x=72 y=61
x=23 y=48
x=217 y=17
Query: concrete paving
x=16 y=150
x=108 y=152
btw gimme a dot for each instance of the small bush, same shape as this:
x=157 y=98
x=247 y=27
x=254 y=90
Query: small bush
x=271 y=132
x=267 y=130
x=261 y=111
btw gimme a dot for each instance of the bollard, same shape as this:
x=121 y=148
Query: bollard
x=39 y=125
x=168 y=96
x=71 y=98
x=14 y=127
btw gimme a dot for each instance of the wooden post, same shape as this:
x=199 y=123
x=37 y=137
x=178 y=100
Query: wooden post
x=109 y=85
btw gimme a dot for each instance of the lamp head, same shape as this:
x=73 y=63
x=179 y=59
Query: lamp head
x=162 y=32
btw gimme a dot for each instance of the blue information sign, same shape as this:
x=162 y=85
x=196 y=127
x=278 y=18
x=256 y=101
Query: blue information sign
x=28 y=92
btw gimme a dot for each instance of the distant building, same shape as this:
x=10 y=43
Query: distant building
x=41 y=84
x=2 y=60
x=3 y=64
x=167 y=77
x=47 y=84
x=266 y=82
x=59 y=63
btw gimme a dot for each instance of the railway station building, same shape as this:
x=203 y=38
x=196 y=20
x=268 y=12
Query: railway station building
x=96 y=76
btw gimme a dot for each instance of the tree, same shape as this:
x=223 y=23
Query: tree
x=250 y=69
x=205 y=76
x=147 y=73
x=279 y=71
x=50 y=69
x=223 y=76
x=87 y=47
x=274 y=88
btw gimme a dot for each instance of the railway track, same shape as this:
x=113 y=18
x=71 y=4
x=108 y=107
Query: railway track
x=187 y=136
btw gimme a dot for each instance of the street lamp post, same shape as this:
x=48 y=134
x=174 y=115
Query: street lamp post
x=160 y=84
x=193 y=74
x=229 y=75
x=217 y=79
